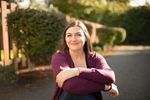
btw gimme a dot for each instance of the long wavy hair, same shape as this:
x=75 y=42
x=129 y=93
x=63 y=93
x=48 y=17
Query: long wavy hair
x=87 y=45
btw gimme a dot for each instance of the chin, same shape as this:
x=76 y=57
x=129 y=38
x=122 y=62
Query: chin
x=75 y=49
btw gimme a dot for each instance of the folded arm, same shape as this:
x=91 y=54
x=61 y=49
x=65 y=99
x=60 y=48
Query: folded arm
x=82 y=86
x=74 y=84
x=89 y=81
x=99 y=70
x=101 y=76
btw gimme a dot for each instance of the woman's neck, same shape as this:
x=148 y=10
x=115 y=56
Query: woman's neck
x=77 y=54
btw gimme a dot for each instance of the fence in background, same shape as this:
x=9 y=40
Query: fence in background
x=6 y=44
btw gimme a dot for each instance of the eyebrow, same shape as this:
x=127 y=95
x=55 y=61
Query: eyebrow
x=74 y=33
x=68 y=33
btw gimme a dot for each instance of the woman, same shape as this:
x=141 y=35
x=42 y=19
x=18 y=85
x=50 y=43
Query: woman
x=81 y=74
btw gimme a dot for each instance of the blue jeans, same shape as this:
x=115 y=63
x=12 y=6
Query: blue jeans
x=68 y=96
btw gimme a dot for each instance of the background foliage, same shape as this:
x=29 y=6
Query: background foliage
x=116 y=13
x=111 y=36
x=136 y=22
x=36 y=33
x=7 y=74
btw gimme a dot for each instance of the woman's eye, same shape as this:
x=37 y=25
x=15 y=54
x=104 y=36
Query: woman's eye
x=79 y=34
x=68 y=35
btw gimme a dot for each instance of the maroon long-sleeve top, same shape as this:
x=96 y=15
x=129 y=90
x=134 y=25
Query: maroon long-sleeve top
x=91 y=80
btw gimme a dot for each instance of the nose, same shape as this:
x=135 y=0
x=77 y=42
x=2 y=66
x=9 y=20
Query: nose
x=74 y=38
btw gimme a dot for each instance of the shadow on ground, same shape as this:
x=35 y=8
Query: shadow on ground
x=30 y=86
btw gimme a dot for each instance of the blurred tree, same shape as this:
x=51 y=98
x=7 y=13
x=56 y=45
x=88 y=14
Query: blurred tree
x=124 y=1
x=33 y=3
x=48 y=2
x=23 y=3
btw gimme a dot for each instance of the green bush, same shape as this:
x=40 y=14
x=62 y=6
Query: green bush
x=120 y=34
x=94 y=10
x=7 y=74
x=85 y=9
x=98 y=48
x=110 y=36
x=112 y=13
x=136 y=22
x=36 y=33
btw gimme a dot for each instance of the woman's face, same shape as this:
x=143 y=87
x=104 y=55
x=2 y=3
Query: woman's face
x=75 y=38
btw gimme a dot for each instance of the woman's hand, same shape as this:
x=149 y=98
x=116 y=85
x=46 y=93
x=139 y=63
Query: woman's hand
x=65 y=74
x=114 y=91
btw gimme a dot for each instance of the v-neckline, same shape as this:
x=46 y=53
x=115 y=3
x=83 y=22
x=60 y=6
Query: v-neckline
x=72 y=63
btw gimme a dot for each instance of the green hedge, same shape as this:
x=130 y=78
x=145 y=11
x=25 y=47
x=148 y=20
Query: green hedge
x=36 y=33
x=116 y=14
x=136 y=22
x=110 y=36
x=93 y=10
x=82 y=9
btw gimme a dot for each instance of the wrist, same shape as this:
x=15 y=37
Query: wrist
x=77 y=72
x=108 y=88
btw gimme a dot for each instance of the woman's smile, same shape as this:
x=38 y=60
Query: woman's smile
x=74 y=43
x=75 y=38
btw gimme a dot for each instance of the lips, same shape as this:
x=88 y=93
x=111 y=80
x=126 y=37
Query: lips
x=75 y=43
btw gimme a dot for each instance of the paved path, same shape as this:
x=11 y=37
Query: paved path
x=132 y=70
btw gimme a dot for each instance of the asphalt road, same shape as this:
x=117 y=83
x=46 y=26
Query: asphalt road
x=132 y=70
